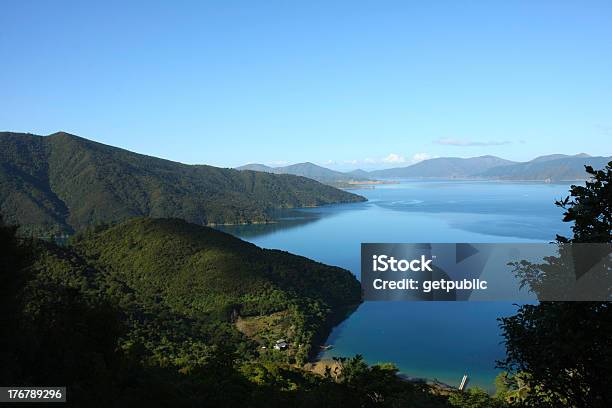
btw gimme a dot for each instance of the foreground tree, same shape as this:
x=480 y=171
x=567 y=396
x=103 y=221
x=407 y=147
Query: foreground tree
x=561 y=352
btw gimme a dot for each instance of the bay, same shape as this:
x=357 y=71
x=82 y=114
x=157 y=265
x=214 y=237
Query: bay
x=433 y=340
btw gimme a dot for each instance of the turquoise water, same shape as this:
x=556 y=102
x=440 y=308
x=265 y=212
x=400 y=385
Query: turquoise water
x=441 y=340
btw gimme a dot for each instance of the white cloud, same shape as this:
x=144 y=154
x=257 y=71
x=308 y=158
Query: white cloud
x=418 y=157
x=449 y=141
x=390 y=160
x=394 y=158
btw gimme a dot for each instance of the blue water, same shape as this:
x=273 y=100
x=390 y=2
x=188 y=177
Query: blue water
x=434 y=340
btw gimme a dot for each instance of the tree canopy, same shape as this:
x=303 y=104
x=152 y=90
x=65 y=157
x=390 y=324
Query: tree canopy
x=561 y=352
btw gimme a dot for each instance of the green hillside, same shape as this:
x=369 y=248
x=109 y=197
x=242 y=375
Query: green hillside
x=146 y=313
x=201 y=273
x=62 y=183
x=167 y=294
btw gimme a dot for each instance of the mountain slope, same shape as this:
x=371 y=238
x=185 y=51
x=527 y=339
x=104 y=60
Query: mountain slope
x=557 y=156
x=63 y=183
x=258 y=167
x=315 y=172
x=199 y=272
x=567 y=168
x=443 y=167
x=310 y=170
x=146 y=311
x=359 y=173
x=198 y=269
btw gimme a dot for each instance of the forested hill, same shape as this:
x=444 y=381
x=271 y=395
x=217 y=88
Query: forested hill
x=155 y=301
x=62 y=183
x=160 y=313
x=198 y=270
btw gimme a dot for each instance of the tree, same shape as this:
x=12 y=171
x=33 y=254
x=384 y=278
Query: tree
x=561 y=352
x=474 y=398
x=589 y=207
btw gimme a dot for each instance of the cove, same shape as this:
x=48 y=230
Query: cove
x=434 y=340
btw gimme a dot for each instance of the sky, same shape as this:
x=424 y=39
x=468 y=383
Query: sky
x=345 y=84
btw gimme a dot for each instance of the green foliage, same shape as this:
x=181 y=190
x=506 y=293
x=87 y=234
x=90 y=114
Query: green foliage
x=566 y=350
x=144 y=310
x=143 y=313
x=380 y=386
x=560 y=353
x=589 y=207
x=475 y=398
x=62 y=183
x=503 y=386
x=200 y=273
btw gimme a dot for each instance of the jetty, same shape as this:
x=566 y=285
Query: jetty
x=464 y=382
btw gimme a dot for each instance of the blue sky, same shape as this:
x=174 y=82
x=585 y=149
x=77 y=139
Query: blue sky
x=344 y=84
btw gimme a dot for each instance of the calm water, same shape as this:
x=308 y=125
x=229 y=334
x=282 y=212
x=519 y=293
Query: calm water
x=441 y=340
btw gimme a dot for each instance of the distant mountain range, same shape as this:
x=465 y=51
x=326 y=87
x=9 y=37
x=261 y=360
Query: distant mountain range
x=558 y=156
x=310 y=170
x=444 y=167
x=554 y=167
x=63 y=183
x=359 y=173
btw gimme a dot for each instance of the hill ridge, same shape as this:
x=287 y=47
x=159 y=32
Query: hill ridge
x=99 y=183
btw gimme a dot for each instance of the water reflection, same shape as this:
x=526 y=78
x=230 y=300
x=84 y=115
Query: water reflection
x=287 y=219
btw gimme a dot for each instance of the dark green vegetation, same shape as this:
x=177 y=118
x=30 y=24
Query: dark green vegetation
x=142 y=314
x=62 y=183
x=160 y=312
x=149 y=302
x=559 y=354
x=202 y=273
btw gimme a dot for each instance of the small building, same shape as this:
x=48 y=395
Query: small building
x=280 y=345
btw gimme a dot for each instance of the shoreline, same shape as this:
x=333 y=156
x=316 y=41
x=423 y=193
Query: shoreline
x=317 y=364
x=64 y=234
x=399 y=180
x=335 y=317
x=319 y=367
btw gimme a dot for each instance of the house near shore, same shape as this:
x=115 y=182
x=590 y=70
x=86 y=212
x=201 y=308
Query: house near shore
x=281 y=345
